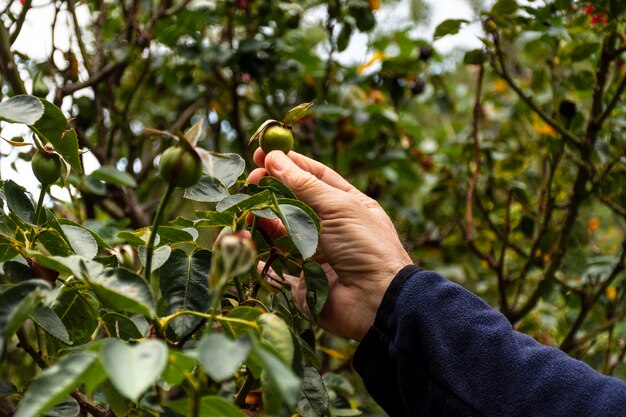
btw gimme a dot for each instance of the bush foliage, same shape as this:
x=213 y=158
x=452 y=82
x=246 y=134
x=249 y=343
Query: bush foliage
x=502 y=167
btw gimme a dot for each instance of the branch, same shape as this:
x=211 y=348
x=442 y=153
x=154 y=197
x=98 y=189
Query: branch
x=7 y=64
x=616 y=98
x=79 y=36
x=175 y=9
x=20 y=20
x=93 y=80
x=504 y=74
x=469 y=201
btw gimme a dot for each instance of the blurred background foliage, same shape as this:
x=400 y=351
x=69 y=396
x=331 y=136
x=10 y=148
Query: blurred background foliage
x=503 y=167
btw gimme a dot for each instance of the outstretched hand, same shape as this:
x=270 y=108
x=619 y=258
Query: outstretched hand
x=359 y=246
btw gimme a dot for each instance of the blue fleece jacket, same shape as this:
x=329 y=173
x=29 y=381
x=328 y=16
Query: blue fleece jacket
x=436 y=349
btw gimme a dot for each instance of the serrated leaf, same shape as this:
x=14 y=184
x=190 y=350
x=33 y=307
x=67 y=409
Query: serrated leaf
x=210 y=406
x=81 y=241
x=133 y=369
x=226 y=167
x=123 y=290
x=244 y=313
x=221 y=357
x=54 y=384
x=79 y=313
x=474 y=57
x=21 y=109
x=18 y=202
x=119 y=326
x=54 y=243
x=112 y=175
x=313 y=401
x=316 y=287
x=279 y=375
x=277 y=334
x=504 y=7
x=17 y=302
x=449 y=27
x=159 y=256
x=213 y=219
x=179 y=365
x=183 y=280
x=240 y=202
x=52 y=126
x=274 y=184
x=67 y=408
x=207 y=190
x=297 y=113
x=49 y=321
x=301 y=228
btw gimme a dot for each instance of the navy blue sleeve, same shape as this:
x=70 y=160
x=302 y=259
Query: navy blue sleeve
x=436 y=349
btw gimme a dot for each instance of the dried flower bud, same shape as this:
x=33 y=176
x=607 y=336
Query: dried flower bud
x=233 y=254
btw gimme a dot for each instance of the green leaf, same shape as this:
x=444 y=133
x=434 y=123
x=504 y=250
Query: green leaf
x=18 y=202
x=119 y=404
x=7 y=388
x=504 y=8
x=159 y=256
x=274 y=184
x=79 y=313
x=279 y=375
x=68 y=408
x=297 y=113
x=52 y=126
x=221 y=357
x=174 y=235
x=207 y=190
x=226 y=167
x=123 y=291
x=133 y=369
x=81 y=241
x=178 y=367
x=474 y=57
x=316 y=287
x=301 y=228
x=305 y=208
x=54 y=384
x=277 y=334
x=54 y=243
x=112 y=175
x=119 y=326
x=213 y=219
x=183 y=280
x=17 y=302
x=49 y=321
x=449 y=27
x=21 y=109
x=240 y=202
x=313 y=401
x=16 y=272
x=244 y=313
x=210 y=406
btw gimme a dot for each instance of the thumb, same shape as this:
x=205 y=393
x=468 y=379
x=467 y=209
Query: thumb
x=306 y=186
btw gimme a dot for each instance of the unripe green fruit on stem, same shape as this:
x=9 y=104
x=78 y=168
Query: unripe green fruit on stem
x=180 y=167
x=276 y=138
x=46 y=167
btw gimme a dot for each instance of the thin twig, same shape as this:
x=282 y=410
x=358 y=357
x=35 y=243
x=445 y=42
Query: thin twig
x=471 y=189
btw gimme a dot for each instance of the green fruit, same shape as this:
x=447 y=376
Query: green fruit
x=46 y=167
x=180 y=167
x=276 y=138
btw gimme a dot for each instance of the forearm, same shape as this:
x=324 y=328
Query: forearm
x=440 y=349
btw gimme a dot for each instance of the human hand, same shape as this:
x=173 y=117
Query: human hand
x=359 y=243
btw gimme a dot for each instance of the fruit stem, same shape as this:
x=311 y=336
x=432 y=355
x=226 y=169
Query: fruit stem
x=154 y=284
x=42 y=195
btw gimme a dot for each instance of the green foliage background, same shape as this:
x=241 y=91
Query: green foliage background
x=503 y=168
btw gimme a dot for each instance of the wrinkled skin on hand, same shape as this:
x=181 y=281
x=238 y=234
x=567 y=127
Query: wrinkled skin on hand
x=359 y=247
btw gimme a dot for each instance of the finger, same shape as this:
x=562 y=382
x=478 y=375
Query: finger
x=321 y=171
x=306 y=186
x=273 y=228
x=256 y=175
x=259 y=157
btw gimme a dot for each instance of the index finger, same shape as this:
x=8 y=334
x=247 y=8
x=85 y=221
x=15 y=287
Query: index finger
x=321 y=171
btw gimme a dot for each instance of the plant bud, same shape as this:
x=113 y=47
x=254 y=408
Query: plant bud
x=233 y=254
